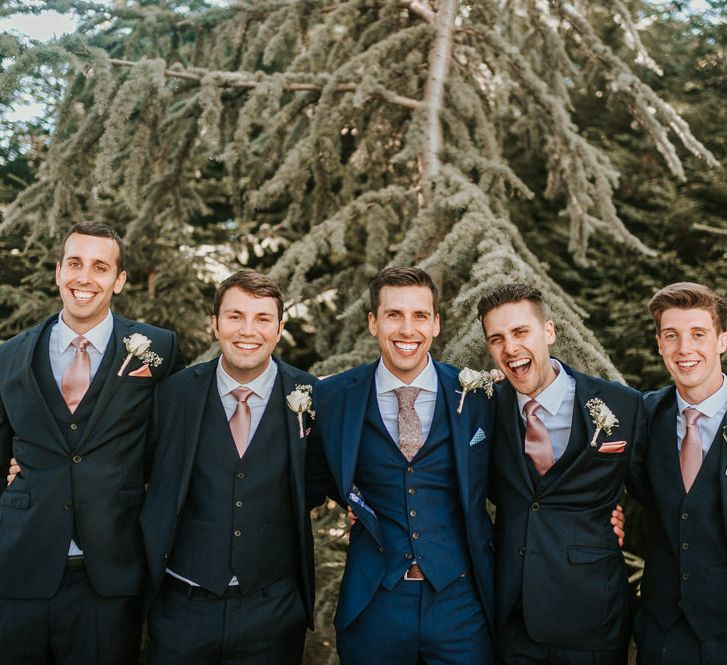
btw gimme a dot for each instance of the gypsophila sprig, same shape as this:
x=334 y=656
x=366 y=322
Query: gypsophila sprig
x=300 y=402
x=603 y=418
x=137 y=346
x=471 y=380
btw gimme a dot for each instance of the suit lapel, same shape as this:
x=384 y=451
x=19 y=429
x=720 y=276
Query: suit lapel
x=355 y=401
x=112 y=382
x=721 y=441
x=511 y=416
x=459 y=426
x=663 y=442
x=30 y=382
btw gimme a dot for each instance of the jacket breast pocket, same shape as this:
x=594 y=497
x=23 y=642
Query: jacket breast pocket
x=19 y=499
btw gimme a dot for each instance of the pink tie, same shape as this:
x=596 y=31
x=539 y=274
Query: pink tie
x=690 y=458
x=411 y=438
x=240 y=421
x=77 y=376
x=538 y=446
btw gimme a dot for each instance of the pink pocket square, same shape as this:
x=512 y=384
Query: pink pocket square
x=612 y=447
x=141 y=371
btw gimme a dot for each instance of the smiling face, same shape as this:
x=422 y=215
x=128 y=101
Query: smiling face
x=87 y=278
x=690 y=347
x=519 y=340
x=405 y=325
x=248 y=329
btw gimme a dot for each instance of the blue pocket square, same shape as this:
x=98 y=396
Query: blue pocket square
x=479 y=437
x=355 y=496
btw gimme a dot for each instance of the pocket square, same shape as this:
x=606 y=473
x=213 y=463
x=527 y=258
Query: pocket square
x=141 y=371
x=478 y=437
x=612 y=447
x=355 y=496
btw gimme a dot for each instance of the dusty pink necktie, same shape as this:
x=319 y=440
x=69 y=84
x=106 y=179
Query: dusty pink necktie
x=538 y=446
x=410 y=427
x=690 y=457
x=77 y=376
x=240 y=421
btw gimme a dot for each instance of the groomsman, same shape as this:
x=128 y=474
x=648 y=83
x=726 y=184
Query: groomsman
x=558 y=469
x=226 y=522
x=417 y=587
x=683 y=620
x=75 y=398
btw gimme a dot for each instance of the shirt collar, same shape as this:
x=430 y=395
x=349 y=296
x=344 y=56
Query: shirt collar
x=98 y=336
x=710 y=406
x=551 y=397
x=386 y=381
x=262 y=385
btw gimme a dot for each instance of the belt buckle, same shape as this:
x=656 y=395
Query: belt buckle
x=413 y=579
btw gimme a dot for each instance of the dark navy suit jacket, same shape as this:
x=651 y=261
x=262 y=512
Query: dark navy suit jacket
x=341 y=402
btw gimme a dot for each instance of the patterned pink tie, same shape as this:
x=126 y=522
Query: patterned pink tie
x=410 y=427
x=538 y=446
x=77 y=376
x=240 y=421
x=690 y=457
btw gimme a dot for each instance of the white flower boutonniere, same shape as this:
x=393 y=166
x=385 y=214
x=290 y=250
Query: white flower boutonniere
x=300 y=402
x=137 y=346
x=603 y=418
x=471 y=380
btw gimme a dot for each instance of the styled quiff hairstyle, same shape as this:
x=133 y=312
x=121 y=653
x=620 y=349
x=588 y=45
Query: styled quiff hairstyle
x=99 y=230
x=689 y=295
x=508 y=293
x=400 y=277
x=252 y=282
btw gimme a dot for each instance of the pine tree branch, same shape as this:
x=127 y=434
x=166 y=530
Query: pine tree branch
x=709 y=229
x=439 y=59
x=420 y=10
x=240 y=81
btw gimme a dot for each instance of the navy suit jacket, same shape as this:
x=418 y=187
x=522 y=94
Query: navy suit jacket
x=340 y=403
x=179 y=409
x=101 y=480
x=556 y=549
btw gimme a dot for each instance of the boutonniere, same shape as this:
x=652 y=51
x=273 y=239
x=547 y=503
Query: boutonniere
x=300 y=402
x=603 y=418
x=137 y=346
x=470 y=380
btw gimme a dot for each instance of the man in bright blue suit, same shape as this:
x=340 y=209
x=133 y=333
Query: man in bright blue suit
x=417 y=588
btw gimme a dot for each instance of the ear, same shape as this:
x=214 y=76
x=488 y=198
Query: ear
x=658 y=345
x=58 y=274
x=435 y=332
x=214 y=327
x=280 y=329
x=372 y=324
x=120 y=281
x=722 y=342
x=549 y=332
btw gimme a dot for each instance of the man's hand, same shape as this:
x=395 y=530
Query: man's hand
x=351 y=517
x=618 y=521
x=13 y=471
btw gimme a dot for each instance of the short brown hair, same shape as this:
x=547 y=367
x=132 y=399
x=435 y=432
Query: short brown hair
x=689 y=295
x=394 y=276
x=99 y=230
x=252 y=282
x=508 y=293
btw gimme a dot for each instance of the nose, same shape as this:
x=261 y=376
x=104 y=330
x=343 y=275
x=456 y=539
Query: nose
x=407 y=326
x=684 y=345
x=511 y=346
x=245 y=327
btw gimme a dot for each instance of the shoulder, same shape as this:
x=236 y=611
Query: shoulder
x=298 y=376
x=446 y=370
x=159 y=335
x=14 y=344
x=612 y=389
x=332 y=384
x=178 y=383
x=653 y=398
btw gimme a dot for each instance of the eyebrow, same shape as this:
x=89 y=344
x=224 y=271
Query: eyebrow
x=78 y=258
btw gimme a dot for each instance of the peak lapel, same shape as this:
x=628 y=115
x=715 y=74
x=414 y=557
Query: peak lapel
x=508 y=407
x=355 y=402
x=296 y=444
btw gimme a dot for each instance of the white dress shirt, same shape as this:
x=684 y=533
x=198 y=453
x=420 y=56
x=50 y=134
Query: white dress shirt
x=557 y=400
x=61 y=353
x=425 y=402
x=713 y=408
x=262 y=387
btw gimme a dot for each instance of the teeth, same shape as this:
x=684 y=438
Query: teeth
x=404 y=346
x=247 y=347
x=519 y=363
x=688 y=363
x=83 y=295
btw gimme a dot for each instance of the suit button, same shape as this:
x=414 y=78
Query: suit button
x=410 y=469
x=685 y=516
x=381 y=549
x=237 y=533
x=413 y=513
x=522 y=551
x=685 y=546
x=68 y=505
x=408 y=556
x=238 y=504
x=240 y=475
x=415 y=535
x=411 y=490
x=76 y=459
x=166 y=556
x=685 y=576
x=73 y=426
x=535 y=507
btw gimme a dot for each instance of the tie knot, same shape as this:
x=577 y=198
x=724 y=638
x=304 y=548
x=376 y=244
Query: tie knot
x=691 y=416
x=242 y=394
x=530 y=408
x=80 y=343
x=406 y=396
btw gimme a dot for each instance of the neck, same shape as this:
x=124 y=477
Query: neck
x=697 y=394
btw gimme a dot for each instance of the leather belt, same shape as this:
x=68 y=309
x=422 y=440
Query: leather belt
x=232 y=591
x=75 y=562
x=414 y=574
